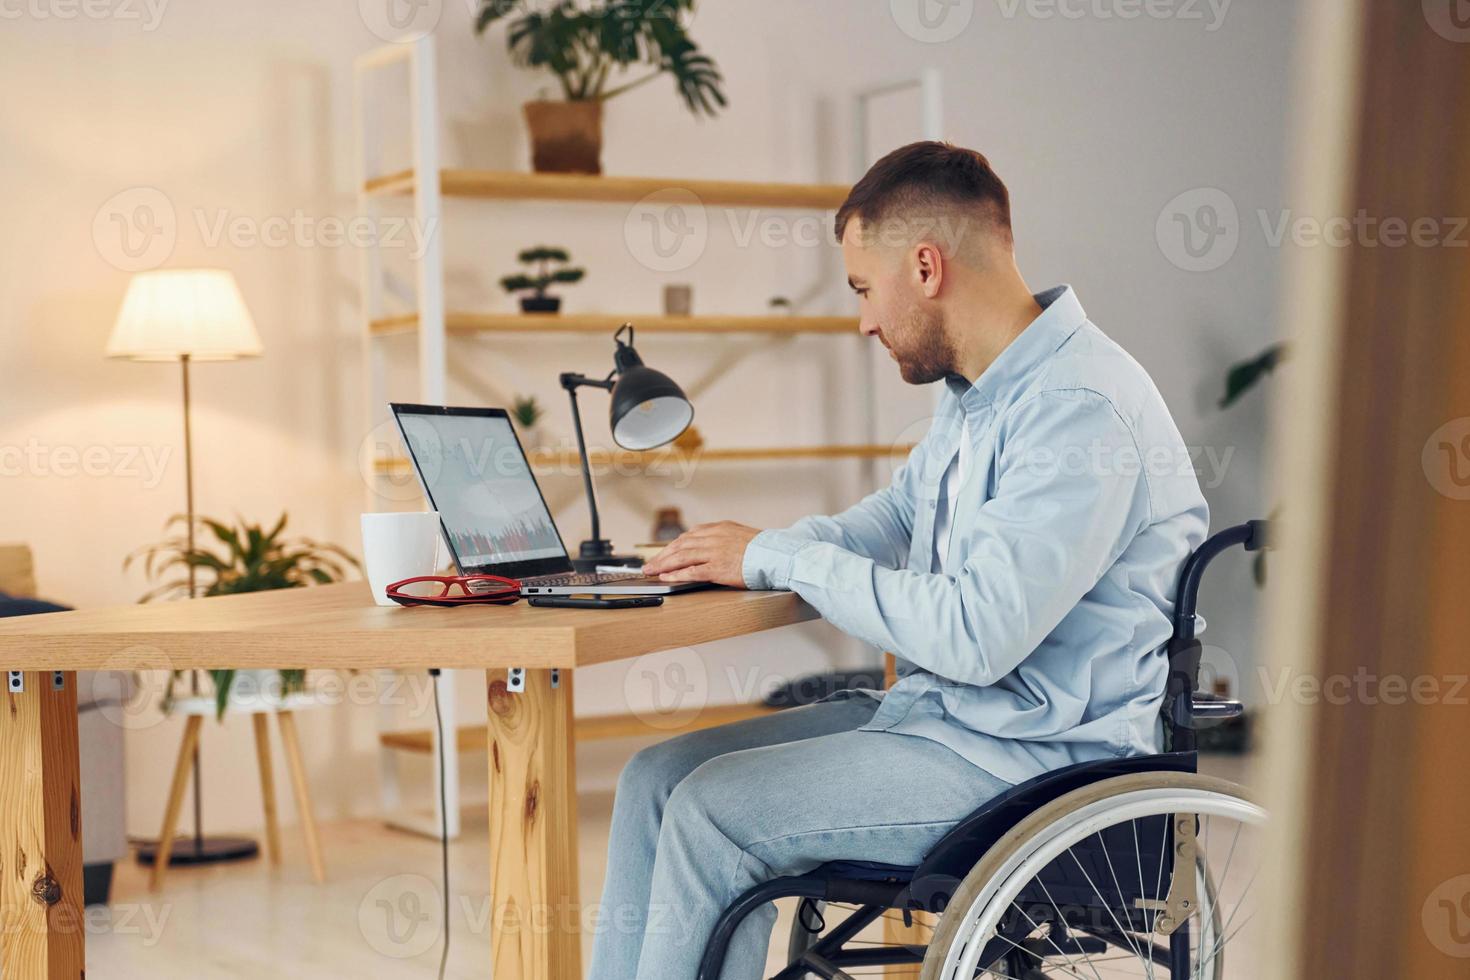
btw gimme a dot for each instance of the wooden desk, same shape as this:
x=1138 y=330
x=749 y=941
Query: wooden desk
x=533 y=846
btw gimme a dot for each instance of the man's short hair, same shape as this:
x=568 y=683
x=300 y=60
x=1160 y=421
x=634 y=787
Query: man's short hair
x=926 y=185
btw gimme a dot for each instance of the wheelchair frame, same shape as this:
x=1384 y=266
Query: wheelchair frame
x=878 y=888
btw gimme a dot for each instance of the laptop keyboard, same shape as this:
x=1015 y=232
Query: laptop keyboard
x=584 y=578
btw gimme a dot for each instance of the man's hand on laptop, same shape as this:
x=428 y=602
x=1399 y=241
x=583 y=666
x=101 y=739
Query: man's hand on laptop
x=707 y=553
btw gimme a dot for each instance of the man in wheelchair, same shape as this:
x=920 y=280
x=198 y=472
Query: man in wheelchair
x=1021 y=566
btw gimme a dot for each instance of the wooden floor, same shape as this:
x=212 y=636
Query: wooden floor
x=250 y=920
x=375 y=917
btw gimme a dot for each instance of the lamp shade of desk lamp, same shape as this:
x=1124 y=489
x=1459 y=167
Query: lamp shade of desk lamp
x=187 y=315
x=648 y=410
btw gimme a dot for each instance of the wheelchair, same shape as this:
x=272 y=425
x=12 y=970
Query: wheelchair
x=1096 y=870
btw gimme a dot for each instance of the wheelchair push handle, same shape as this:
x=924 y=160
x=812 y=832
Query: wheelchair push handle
x=1252 y=535
x=1185 y=706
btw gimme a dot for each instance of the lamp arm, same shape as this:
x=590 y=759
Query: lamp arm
x=571 y=383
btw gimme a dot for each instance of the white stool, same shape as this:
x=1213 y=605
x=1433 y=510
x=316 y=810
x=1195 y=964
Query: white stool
x=258 y=705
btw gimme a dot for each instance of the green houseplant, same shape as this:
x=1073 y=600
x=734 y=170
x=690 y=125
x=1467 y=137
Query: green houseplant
x=528 y=413
x=251 y=559
x=583 y=47
x=542 y=258
x=1239 y=379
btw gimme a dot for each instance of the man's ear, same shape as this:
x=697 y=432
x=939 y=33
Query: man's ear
x=928 y=268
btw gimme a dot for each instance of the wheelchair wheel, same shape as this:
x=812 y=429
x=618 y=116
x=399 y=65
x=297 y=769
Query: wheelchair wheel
x=1079 y=888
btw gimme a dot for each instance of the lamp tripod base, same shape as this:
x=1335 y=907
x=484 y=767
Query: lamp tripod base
x=599 y=551
x=196 y=850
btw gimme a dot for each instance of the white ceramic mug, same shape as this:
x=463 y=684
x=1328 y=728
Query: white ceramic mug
x=396 y=546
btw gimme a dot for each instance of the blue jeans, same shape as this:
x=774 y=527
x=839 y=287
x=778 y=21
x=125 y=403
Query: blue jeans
x=701 y=818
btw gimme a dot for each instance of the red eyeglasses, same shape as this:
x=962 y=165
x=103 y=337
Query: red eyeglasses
x=455 y=590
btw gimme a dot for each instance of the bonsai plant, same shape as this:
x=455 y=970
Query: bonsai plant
x=583 y=48
x=541 y=258
x=252 y=560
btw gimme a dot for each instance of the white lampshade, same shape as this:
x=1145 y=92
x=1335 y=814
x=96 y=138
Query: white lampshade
x=169 y=313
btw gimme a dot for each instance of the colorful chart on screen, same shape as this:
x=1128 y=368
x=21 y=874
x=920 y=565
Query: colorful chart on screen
x=478 y=478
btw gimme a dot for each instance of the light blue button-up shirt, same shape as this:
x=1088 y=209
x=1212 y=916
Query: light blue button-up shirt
x=1041 y=643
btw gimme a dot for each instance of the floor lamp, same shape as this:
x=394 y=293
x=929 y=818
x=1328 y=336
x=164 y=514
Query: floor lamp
x=187 y=315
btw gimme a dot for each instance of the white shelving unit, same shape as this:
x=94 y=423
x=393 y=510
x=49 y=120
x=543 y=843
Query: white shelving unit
x=430 y=184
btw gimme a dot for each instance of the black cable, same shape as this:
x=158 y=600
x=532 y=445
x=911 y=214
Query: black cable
x=443 y=819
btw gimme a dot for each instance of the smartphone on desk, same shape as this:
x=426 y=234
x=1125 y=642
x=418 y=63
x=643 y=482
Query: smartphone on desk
x=596 y=602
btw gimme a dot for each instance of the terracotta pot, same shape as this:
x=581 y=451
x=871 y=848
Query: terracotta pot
x=566 y=137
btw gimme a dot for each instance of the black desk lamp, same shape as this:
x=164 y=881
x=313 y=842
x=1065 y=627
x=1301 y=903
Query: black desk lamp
x=648 y=410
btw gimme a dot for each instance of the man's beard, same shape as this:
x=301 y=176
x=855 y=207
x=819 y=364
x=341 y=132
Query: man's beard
x=931 y=356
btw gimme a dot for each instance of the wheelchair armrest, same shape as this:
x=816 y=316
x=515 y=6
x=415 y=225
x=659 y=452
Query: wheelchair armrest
x=1210 y=706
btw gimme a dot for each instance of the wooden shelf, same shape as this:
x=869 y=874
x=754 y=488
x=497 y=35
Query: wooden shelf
x=512 y=186
x=471 y=738
x=569 y=460
x=608 y=322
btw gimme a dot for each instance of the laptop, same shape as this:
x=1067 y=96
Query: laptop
x=494 y=517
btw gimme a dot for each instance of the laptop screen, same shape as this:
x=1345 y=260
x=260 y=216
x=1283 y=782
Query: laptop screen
x=476 y=476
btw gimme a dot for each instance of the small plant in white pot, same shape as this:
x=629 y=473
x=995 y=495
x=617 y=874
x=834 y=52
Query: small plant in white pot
x=528 y=414
x=583 y=48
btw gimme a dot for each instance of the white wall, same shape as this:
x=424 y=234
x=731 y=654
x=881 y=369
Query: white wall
x=234 y=111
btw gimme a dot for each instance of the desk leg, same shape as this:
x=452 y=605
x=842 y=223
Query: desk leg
x=41 y=831
x=536 y=923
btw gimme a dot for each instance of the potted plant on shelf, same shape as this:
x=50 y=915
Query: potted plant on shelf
x=253 y=560
x=528 y=414
x=583 y=48
x=541 y=258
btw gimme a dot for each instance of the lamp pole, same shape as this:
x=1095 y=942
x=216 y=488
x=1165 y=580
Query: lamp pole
x=594 y=549
x=178 y=314
x=189 y=536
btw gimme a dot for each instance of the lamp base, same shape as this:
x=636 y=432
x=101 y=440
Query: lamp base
x=599 y=551
x=211 y=850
